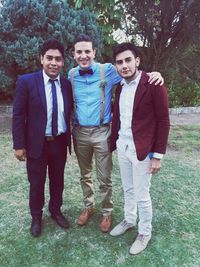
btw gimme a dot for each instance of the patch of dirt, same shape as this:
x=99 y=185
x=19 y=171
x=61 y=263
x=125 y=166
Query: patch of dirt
x=185 y=119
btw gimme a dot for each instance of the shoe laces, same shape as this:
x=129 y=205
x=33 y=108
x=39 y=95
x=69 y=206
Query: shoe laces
x=87 y=211
x=124 y=223
x=140 y=237
x=106 y=218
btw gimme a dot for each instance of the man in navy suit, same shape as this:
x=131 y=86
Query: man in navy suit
x=41 y=131
x=140 y=129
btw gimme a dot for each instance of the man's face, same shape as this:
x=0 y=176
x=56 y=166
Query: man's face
x=52 y=62
x=84 y=54
x=127 y=65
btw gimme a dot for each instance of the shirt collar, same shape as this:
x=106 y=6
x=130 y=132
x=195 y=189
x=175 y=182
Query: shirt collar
x=46 y=78
x=135 y=81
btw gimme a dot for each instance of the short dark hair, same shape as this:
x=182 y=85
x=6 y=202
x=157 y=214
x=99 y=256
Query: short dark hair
x=52 y=44
x=83 y=38
x=123 y=47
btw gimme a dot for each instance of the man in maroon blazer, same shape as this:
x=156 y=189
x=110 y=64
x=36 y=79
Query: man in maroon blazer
x=140 y=129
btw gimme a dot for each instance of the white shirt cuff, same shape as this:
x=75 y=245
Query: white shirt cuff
x=157 y=155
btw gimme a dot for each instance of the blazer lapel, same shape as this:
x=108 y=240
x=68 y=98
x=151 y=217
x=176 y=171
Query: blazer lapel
x=119 y=90
x=41 y=89
x=140 y=90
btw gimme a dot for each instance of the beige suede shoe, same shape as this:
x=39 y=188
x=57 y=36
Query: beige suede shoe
x=140 y=244
x=121 y=228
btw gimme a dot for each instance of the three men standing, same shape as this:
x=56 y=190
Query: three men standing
x=41 y=132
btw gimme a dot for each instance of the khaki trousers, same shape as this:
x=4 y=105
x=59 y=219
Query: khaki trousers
x=89 y=141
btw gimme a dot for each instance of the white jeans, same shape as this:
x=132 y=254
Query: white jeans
x=136 y=182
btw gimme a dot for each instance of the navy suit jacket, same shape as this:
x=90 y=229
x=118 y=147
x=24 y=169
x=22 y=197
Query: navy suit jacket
x=150 y=118
x=30 y=113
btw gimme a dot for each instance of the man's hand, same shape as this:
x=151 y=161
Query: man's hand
x=20 y=154
x=155 y=165
x=155 y=77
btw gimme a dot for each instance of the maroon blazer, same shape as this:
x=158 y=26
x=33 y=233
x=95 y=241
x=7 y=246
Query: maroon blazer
x=150 y=119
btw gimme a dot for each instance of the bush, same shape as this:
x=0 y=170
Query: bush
x=184 y=96
x=26 y=24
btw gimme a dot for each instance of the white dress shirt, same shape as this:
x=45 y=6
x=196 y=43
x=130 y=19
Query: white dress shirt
x=62 y=127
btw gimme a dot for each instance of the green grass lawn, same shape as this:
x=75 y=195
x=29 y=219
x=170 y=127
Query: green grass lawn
x=176 y=222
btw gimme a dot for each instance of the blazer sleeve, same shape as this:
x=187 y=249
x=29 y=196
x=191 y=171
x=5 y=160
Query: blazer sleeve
x=19 y=114
x=70 y=108
x=161 y=109
x=115 y=119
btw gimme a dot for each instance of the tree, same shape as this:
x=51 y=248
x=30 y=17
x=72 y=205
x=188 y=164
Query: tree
x=168 y=34
x=109 y=17
x=168 y=31
x=26 y=24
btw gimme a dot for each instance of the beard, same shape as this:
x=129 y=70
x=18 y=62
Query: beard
x=132 y=76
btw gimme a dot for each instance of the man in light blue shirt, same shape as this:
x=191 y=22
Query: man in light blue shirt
x=92 y=85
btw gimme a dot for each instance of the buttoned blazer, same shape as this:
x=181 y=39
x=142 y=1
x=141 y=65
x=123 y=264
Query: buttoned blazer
x=150 y=118
x=30 y=113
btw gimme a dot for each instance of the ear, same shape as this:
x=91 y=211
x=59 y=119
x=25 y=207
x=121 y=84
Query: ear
x=95 y=52
x=137 y=60
x=41 y=59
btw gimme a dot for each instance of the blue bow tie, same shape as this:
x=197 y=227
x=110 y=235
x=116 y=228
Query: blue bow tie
x=82 y=72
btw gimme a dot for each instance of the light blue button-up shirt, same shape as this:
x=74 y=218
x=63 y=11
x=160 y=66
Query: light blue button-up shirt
x=62 y=127
x=87 y=94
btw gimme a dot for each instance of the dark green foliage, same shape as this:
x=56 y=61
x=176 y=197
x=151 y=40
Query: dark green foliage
x=185 y=95
x=168 y=33
x=168 y=29
x=110 y=16
x=26 y=24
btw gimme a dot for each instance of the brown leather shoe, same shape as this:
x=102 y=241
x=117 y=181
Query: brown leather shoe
x=105 y=224
x=85 y=215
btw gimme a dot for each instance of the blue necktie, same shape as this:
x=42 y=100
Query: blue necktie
x=55 y=108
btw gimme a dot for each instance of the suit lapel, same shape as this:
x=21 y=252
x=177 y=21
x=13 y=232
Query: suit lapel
x=64 y=93
x=41 y=89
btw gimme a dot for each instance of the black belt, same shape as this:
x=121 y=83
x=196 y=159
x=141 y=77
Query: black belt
x=52 y=138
